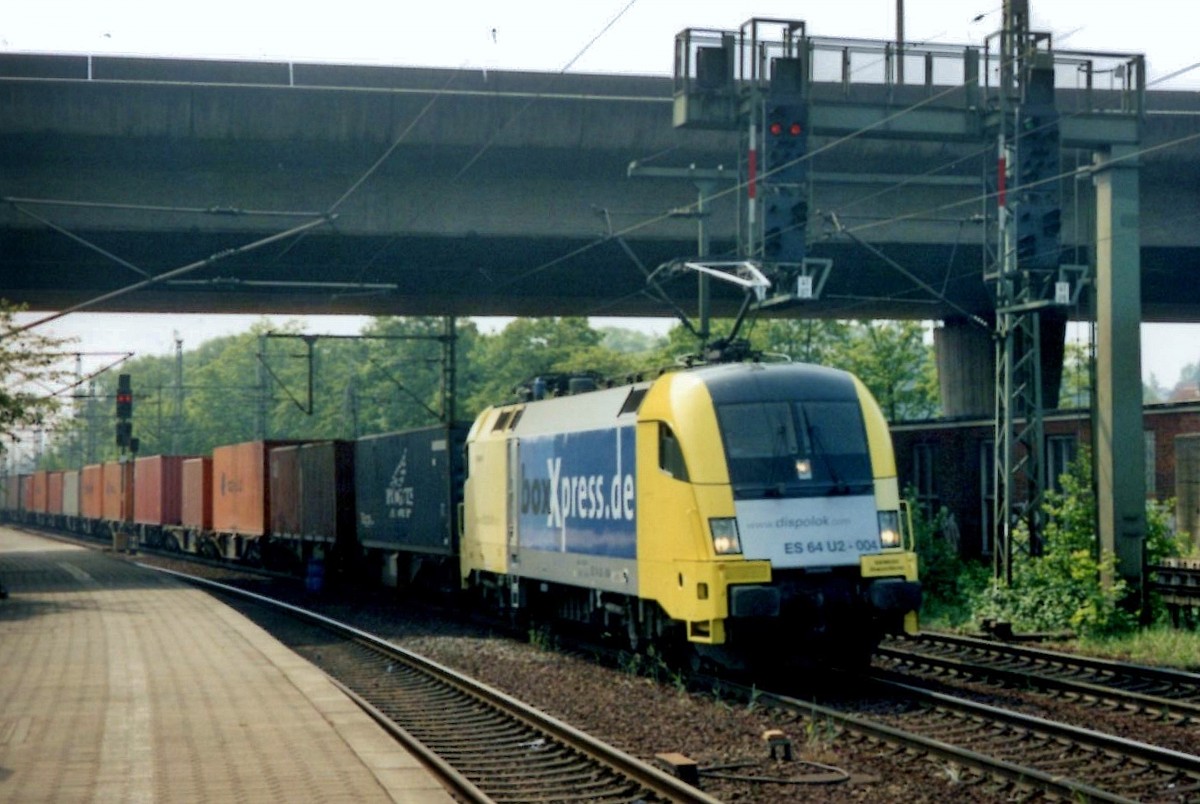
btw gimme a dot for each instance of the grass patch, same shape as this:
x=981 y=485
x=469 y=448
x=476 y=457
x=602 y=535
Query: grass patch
x=1157 y=645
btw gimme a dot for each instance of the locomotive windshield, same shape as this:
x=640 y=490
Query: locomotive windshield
x=795 y=449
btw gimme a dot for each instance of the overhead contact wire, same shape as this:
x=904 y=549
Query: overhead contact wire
x=500 y=130
x=173 y=274
x=486 y=145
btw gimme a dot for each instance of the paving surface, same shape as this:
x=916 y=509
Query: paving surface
x=119 y=684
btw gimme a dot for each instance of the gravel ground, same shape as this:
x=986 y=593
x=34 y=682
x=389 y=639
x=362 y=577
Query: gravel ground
x=645 y=713
x=646 y=716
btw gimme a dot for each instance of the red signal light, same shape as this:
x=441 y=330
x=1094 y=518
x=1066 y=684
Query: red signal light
x=776 y=129
x=795 y=130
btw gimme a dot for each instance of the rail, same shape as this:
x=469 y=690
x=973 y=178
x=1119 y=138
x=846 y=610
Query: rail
x=487 y=745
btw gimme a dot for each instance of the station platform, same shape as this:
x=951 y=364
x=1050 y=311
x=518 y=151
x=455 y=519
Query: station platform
x=120 y=684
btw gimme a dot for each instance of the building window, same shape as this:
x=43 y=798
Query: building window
x=923 y=456
x=1060 y=452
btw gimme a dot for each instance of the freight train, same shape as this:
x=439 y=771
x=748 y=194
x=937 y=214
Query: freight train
x=746 y=514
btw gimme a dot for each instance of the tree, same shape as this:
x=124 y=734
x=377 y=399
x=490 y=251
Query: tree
x=805 y=340
x=397 y=382
x=529 y=347
x=894 y=361
x=892 y=358
x=28 y=366
x=1076 y=387
x=629 y=341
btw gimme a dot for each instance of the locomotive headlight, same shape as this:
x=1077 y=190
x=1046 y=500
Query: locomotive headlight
x=725 y=536
x=889 y=529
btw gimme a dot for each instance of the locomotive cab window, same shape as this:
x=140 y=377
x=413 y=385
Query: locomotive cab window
x=795 y=448
x=670 y=455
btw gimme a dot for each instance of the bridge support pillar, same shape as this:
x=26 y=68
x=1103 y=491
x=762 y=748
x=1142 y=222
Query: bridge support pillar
x=1120 y=449
x=966 y=360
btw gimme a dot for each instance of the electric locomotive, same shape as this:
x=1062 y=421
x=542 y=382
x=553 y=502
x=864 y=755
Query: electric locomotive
x=745 y=513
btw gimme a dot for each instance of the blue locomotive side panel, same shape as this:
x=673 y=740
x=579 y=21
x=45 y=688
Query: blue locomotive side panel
x=578 y=493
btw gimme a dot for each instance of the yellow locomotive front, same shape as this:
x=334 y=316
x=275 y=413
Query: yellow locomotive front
x=769 y=516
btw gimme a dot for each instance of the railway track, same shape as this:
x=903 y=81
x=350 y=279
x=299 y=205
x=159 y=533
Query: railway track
x=1067 y=760
x=999 y=754
x=1160 y=693
x=486 y=745
x=1010 y=756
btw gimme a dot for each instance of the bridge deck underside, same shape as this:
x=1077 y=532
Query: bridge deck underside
x=473 y=275
x=497 y=203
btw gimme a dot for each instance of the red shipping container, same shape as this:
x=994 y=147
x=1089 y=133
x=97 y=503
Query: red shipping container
x=117 y=496
x=91 y=492
x=241 y=487
x=157 y=484
x=327 y=507
x=195 y=510
x=54 y=493
x=40 y=492
x=285 y=491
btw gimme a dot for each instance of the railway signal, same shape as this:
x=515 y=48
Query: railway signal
x=785 y=177
x=125 y=437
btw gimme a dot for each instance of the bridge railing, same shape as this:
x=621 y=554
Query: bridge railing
x=713 y=67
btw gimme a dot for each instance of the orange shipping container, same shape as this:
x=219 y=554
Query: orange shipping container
x=91 y=492
x=40 y=492
x=241 y=488
x=196 y=510
x=157 y=487
x=117 y=505
x=54 y=493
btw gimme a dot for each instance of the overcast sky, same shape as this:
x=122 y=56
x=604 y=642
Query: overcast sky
x=591 y=36
x=539 y=35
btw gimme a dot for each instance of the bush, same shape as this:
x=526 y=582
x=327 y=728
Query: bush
x=948 y=582
x=1070 y=587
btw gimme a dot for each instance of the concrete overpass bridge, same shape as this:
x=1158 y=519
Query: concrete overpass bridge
x=437 y=191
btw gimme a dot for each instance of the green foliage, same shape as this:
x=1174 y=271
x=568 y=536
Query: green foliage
x=1070 y=587
x=256 y=384
x=893 y=360
x=542 y=637
x=1161 y=541
x=27 y=371
x=524 y=349
x=948 y=582
x=804 y=340
x=628 y=341
x=1156 y=645
x=396 y=380
x=891 y=357
x=1076 y=388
